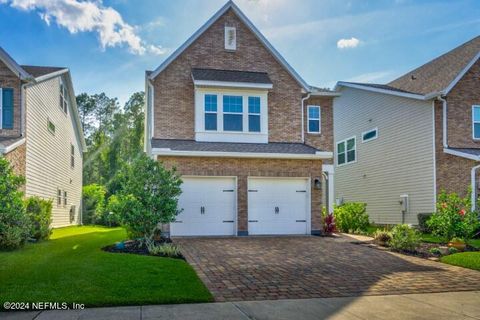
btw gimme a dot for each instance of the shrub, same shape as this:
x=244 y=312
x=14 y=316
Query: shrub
x=382 y=237
x=435 y=251
x=166 y=249
x=328 y=222
x=39 y=211
x=93 y=204
x=351 y=217
x=452 y=250
x=457 y=240
x=14 y=224
x=111 y=216
x=148 y=197
x=422 y=222
x=404 y=238
x=453 y=217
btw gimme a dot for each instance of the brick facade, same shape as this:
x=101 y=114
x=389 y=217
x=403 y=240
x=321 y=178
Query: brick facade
x=324 y=140
x=242 y=168
x=174 y=89
x=17 y=159
x=8 y=79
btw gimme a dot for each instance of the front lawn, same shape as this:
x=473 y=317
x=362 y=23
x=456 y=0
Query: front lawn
x=71 y=267
x=427 y=237
x=469 y=260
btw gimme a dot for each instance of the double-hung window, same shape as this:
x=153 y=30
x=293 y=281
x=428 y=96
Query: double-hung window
x=65 y=199
x=476 y=122
x=346 y=151
x=6 y=108
x=314 y=119
x=59 y=197
x=211 y=112
x=72 y=156
x=63 y=97
x=254 y=114
x=232 y=113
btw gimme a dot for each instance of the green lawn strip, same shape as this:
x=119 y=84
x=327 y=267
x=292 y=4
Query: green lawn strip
x=469 y=260
x=427 y=237
x=71 y=267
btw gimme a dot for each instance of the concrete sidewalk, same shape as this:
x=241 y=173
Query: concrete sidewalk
x=449 y=305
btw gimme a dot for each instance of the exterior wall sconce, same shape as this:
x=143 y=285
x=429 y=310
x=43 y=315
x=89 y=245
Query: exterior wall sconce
x=317 y=183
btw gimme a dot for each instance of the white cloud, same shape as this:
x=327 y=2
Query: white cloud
x=348 y=43
x=89 y=16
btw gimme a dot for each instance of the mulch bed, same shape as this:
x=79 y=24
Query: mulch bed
x=423 y=250
x=136 y=247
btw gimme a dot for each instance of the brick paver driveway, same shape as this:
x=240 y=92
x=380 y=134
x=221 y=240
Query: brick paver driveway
x=259 y=268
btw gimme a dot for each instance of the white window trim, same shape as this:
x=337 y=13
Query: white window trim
x=232 y=47
x=319 y=119
x=234 y=113
x=346 y=158
x=1 y=108
x=371 y=139
x=474 y=122
x=209 y=112
x=64 y=96
x=259 y=114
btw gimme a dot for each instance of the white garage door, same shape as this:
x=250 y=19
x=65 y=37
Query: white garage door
x=208 y=207
x=278 y=205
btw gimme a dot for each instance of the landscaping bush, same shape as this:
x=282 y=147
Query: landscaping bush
x=422 y=222
x=111 y=216
x=382 y=237
x=39 y=211
x=14 y=224
x=148 y=196
x=453 y=217
x=165 y=249
x=404 y=238
x=351 y=217
x=93 y=204
x=328 y=222
x=435 y=251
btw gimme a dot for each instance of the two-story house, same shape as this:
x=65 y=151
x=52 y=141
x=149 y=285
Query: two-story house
x=41 y=135
x=252 y=141
x=399 y=144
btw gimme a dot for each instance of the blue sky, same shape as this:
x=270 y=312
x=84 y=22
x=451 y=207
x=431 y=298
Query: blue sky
x=108 y=45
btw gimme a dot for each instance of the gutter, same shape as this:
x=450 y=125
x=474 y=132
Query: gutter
x=303 y=115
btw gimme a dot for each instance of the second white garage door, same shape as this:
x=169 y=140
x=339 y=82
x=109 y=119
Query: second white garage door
x=209 y=207
x=278 y=206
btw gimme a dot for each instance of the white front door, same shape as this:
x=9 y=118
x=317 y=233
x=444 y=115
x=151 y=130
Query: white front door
x=278 y=206
x=209 y=207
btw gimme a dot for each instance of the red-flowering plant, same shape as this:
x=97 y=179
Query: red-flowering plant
x=453 y=217
x=328 y=222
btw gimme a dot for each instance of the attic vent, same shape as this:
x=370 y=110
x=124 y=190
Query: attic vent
x=230 y=38
x=413 y=77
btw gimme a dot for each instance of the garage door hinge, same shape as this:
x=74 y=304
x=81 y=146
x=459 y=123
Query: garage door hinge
x=252 y=190
x=301 y=220
x=301 y=190
x=227 y=190
x=252 y=220
x=227 y=221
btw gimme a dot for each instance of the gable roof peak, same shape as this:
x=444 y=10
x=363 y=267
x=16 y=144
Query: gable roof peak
x=227 y=6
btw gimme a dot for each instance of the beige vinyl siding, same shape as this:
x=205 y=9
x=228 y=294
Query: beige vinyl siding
x=48 y=155
x=400 y=161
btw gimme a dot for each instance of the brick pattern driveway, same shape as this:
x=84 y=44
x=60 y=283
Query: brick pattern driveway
x=264 y=268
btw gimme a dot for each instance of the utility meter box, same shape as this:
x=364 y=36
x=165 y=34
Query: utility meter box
x=404 y=205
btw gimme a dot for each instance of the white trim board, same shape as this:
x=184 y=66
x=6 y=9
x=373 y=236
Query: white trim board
x=227 y=84
x=13 y=146
x=461 y=74
x=462 y=154
x=219 y=154
x=249 y=24
x=379 y=90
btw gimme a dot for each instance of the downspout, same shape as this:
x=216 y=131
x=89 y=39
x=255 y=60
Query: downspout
x=444 y=122
x=23 y=102
x=303 y=115
x=474 y=187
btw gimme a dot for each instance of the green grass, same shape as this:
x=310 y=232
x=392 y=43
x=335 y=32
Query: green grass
x=427 y=237
x=71 y=267
x=469 y=260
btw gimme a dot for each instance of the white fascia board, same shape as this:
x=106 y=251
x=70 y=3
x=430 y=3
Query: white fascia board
x=52 y=75
x=250 y=25
x=462 y=73
x=462 y=154
x=325 y=94
x=13 y=66
x=226 y=84
x=218 y=154
x=13 y=146
x=385 y=91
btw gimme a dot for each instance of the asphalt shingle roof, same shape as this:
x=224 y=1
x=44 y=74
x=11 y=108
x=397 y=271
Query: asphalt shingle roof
x=230 y=76
x=273 y=147
x=38 y=71
x=381 y=86
x=437 y=74
x=7 y=141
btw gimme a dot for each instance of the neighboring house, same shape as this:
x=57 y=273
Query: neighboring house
x=398 y=145
x=252 y=141
x=41 y=136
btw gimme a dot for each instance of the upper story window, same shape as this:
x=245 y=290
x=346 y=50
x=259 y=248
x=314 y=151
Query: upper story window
x=230 y=38
x=314 y=119
x=254 y=114
x=232 y=113
x=51 y=126
x=6 y=108
x=476 y=122
x=72 y=156
x=347 y=151
x=65 y=198
x=370 y=135
x=210 y=112
x=63 y=97
x=59 y=197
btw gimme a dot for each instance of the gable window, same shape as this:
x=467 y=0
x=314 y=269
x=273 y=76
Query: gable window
x=230 y=38
x=59 y=197
x=314 y=119
x=254 y=114
x=72 y=156
x=63 y=97
x=346 y=151
x=6 y=108
x=476 y=122
x=232 y=113
x=211 y=112
x=370 y=135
